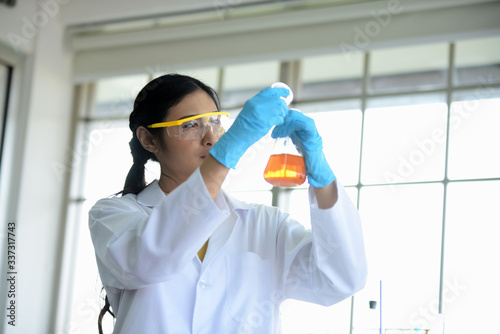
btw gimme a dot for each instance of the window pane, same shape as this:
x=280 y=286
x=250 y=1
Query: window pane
x=477 y=61
x=474 y=149
x=339 y=125
x=404 y=143
x=79 y=155
x=241 y=82
x=87 y=284
x=209 y=76
x=109 y=159
x=472 y=270
x=331 y=76
x=402 y=228
x=115 y=96
x=410 y=68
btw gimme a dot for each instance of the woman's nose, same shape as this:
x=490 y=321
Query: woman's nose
x=209 y=138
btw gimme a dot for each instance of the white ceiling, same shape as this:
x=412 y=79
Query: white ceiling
x=98 y=12
x=81 y=12
x=92 y=16
x=121 y=36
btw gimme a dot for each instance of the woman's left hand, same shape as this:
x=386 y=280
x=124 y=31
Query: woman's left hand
x=302 y=130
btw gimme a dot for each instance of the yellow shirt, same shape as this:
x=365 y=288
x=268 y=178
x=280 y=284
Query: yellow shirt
x=203 y=251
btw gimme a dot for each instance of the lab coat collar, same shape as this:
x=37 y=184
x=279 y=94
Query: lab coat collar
x=151 y=195
x=234 y=203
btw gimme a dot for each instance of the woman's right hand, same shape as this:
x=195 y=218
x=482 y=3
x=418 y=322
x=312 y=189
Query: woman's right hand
x=258 y=116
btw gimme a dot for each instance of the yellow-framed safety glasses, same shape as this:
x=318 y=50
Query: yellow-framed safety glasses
x=194 y=127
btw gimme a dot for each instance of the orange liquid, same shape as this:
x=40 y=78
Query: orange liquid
x=285 y=170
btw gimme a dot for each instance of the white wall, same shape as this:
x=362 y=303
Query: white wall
x=41 y=113
x=12 y=20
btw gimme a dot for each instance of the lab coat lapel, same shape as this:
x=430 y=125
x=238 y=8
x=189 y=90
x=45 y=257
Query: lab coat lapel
x=221 y=235
x=219 y=239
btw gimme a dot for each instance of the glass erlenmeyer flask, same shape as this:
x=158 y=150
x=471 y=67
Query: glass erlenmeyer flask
x=285 y=167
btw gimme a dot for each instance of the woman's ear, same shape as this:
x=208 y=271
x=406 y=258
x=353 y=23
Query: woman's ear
x=147 y=140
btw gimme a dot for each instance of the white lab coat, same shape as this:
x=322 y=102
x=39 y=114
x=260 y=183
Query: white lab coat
x=146 y=249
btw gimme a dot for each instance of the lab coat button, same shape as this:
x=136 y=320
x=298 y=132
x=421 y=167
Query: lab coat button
x=203 y=284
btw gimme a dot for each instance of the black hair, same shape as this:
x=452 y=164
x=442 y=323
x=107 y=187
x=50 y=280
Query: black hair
x=152 y=105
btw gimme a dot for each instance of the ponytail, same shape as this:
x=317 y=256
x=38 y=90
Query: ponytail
x=104 y=310
x=135 y=181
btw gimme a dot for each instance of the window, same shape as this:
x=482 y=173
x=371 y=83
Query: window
x=331 y=76
x=412 y=68
x=241 y=82
x=474 y=137
x=411 y=132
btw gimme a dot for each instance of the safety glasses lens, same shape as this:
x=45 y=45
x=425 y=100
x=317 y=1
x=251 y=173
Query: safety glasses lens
x=196 y=128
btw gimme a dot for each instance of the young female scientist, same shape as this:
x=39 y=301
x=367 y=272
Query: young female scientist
x=182 y=256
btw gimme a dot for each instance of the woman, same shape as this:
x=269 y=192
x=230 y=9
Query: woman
x=181 y=256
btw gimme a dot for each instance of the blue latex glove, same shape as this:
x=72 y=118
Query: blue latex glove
x=302 y=130
x=258 y=116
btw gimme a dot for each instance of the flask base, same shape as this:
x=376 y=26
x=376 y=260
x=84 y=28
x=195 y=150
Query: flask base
x=285 y=170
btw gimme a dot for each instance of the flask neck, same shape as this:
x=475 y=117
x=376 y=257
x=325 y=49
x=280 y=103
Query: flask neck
x=285 y=146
